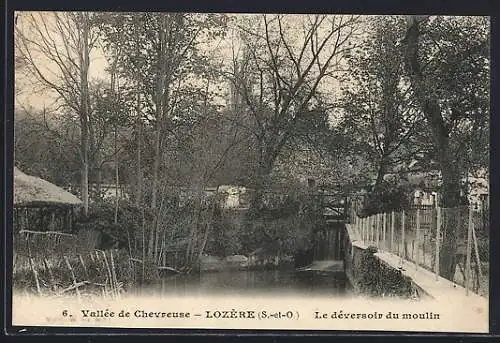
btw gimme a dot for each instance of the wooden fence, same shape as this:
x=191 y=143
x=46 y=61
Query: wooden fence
x=56 y=263
x=417 y=235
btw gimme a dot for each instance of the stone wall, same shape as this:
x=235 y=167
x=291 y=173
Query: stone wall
x=368 y=275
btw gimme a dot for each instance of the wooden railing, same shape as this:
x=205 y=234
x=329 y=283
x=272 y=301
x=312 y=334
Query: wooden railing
x=417 y=235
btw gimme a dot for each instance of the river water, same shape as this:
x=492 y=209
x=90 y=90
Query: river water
x=275 y=282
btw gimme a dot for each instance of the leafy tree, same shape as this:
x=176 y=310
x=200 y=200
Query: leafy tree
x=42 y=151
x=447 y=59
x=380 y=120
x=161 y=56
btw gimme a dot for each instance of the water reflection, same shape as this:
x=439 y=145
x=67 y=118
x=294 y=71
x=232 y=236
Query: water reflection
x=276 y=282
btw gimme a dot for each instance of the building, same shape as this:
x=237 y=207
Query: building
x=42 y=206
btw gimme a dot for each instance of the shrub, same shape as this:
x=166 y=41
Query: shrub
x=385 y=198
x=378 y=279
x=115 y=235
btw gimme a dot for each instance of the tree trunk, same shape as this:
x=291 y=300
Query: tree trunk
x=84 y=112
x=139 y=173
x=156 y=165
x=450 y=192
x=117 y=180
x=380 y=173
x=193 y=232
x=261 y=182
x=160 y=108
x=115 y=91
x=85 y=173
x=98 y=178
x=154 y=190
x=139 y=184
x=450 y=199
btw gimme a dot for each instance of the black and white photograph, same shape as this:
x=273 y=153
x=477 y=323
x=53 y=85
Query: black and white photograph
x=251 y=171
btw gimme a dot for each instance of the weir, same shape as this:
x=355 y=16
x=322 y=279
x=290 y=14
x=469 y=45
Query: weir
x=339 y=247
x=327 y=253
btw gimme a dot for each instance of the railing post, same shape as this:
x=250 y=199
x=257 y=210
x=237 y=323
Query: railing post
x=368 y=219
x=403 y=233
x=367 y=230
x=359 y=227
x=476 y=249
x=384 y=223
x=367 y=227
x=362 y=225
x=356 y=226
x=438 y=234
x=374 y=229
x=469 y=251
x=417 y=237
x=377 y=230
x=360 y=222
x=393 y=223
x=371 y=229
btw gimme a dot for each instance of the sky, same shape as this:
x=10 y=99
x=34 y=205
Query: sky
x=29 y=94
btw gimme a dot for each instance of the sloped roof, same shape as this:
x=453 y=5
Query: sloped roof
x=34 y=191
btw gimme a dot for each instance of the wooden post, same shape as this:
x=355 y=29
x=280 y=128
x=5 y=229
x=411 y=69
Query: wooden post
x=51 y=275
x=35 y=274
x=368 y=232
x=417 y=237
x=65 y=227
x=478 y=261
x=370 y=223
x=113 y=274
x=367 y=223
x=374 y=228
x=384 y=224
x=83 y=265
x=365 y=229
x=438 y=236
x=72 y=275
x=377 y=230
x=52 y=220
x=403 y=233
x=469 y=251
x=70 y=220
x=110 y=276
x=393 y=223
x=424 y=235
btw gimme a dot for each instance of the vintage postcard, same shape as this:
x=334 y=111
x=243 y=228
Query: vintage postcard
x=251 y=171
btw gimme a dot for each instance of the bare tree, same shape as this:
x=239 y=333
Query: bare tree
x=55 y=48
x=279 y=72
